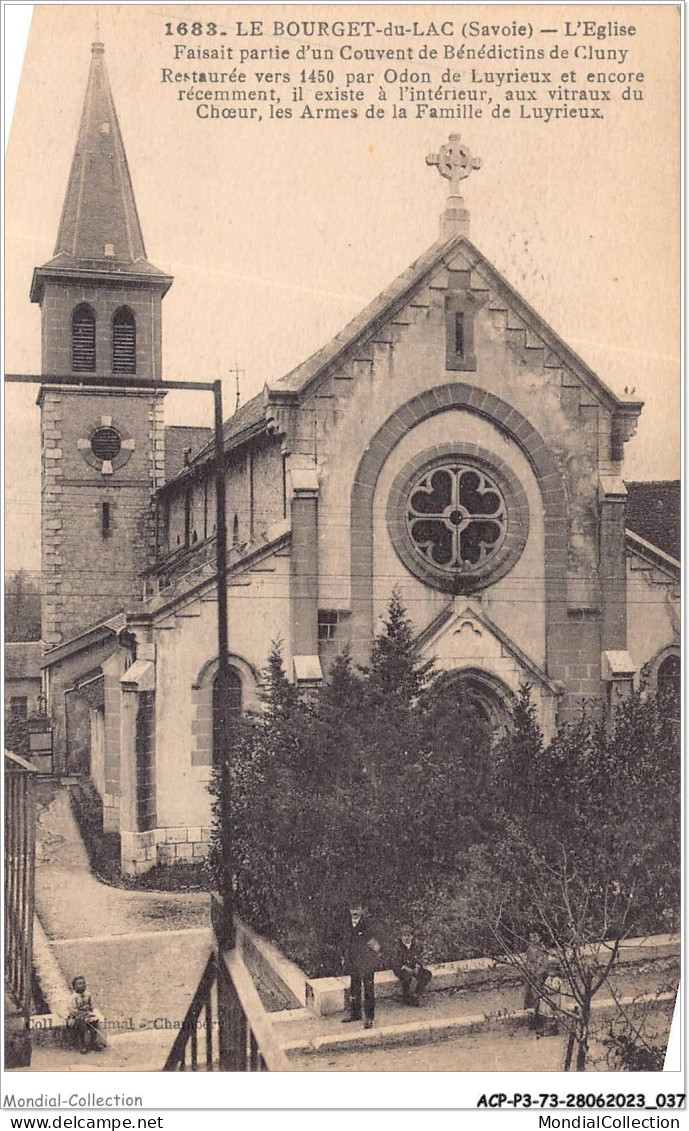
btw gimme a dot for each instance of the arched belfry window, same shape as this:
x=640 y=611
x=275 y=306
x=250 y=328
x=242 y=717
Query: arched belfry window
x=123 y=341
x=83 y=339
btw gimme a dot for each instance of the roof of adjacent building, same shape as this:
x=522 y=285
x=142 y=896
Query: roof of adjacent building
x=23 y=660
x=110 y=626
x=99 y=229
x=654 y=512
x=181 y=439
x=245 y=422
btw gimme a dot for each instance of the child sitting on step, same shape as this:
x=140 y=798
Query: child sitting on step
x=82 y=1019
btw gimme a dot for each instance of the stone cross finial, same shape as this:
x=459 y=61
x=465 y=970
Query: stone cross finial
x=454 y=162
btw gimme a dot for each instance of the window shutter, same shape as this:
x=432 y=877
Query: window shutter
x=83 y=340
x=124 y=341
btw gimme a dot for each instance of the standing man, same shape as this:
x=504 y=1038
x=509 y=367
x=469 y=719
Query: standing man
x=360 y=960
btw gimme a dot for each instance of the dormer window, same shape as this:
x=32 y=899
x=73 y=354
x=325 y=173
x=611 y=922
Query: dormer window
x=83 y=339
x=123 y=341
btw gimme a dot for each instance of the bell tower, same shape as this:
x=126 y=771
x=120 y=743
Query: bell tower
x=102 y=447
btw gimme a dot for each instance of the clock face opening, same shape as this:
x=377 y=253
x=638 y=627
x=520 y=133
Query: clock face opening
x=106 y=444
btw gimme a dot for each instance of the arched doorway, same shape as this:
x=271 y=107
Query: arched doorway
x=484 y=695
x=225 y=703
x=467 y=715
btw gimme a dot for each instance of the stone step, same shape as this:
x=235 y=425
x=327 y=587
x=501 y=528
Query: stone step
x=427 y=1030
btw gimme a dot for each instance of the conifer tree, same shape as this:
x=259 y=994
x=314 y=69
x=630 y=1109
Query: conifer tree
x=396 y=674
x=518 y=755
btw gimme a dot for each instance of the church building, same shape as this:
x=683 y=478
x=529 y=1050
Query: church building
x=446 y=444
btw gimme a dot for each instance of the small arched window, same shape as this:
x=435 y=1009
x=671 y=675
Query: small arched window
x=669 y=678
x=123 y=341
x=235 y=531
x=83 y=339
x=230 y=704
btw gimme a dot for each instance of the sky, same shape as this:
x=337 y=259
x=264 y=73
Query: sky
x=279 y=232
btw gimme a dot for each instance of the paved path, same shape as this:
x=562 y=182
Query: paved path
x=72 y=903
x=142 y=953
x=496 y=1051
x=134 y=1052
x=520 y=1051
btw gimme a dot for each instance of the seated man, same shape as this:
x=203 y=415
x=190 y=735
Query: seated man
x=408 y=966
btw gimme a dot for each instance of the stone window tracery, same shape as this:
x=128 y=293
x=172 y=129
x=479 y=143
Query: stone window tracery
x=106 y=445
x=458 y=517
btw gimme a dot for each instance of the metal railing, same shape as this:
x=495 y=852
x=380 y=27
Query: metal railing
x=226 y=1028
x=20 y=862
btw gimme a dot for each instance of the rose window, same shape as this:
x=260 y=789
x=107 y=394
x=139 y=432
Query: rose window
x=456 y=517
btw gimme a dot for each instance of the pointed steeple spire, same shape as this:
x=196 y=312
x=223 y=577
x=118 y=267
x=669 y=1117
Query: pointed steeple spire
x=100 y=233
x=99 y=216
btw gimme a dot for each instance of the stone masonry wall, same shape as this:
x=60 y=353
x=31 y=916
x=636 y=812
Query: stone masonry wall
x=87 y=574
x=60 y=299
x=541 y=402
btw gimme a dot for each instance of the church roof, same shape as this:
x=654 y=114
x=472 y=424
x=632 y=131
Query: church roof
x=456 y=253
x=245 y=422
x=99 y=230
x=180 y=439
x=654 y=512
x=366 y=321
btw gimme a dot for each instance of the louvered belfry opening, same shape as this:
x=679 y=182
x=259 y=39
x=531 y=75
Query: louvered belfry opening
x=123 y=341
x=83 y=339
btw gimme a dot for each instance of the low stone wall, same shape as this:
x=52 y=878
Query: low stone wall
x=327 y=995
x=180 y=845
x=56 y=992
x=284 y=981
x=267 y=965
